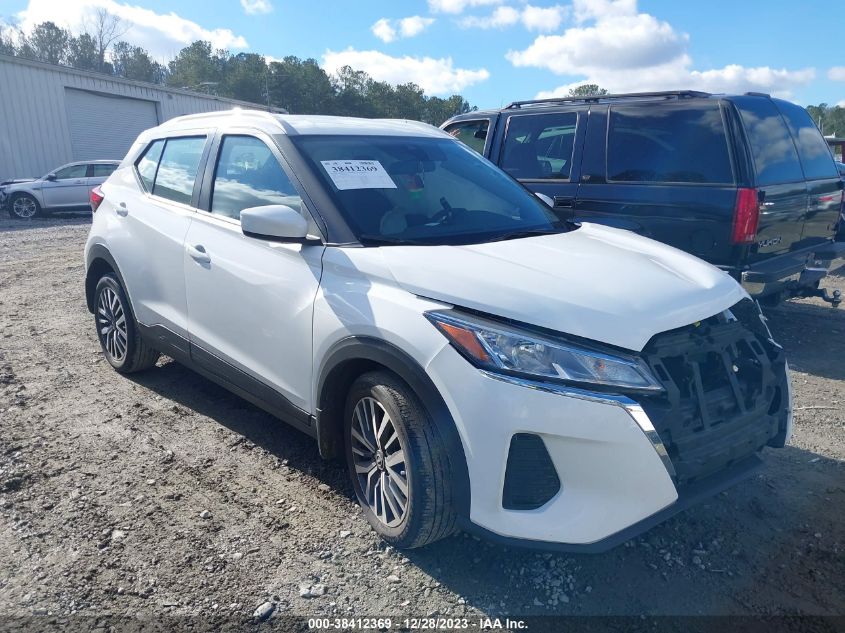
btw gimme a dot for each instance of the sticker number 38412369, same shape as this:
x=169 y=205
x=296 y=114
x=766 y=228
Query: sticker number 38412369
x=358 y=174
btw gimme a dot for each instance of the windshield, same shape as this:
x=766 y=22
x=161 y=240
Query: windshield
x=405 y=190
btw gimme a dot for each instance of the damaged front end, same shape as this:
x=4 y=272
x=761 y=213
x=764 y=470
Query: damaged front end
x=727 y=392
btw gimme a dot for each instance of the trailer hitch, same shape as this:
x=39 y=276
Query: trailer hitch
x=834 y=298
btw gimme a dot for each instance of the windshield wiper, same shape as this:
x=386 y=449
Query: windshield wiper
x=368 y=239
x=515 y=235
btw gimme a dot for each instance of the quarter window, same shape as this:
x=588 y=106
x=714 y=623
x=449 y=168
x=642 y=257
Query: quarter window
x=812 y=148
x=72 y=171
x=148 y=164
x=248 y=175
x=473 y=134
x=672 y=144
x=775 y=158
x=177 y=170
x=539 y=147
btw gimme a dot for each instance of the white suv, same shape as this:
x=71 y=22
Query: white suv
x=481 y=362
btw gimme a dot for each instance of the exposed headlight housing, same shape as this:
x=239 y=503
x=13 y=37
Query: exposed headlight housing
x=511 y=350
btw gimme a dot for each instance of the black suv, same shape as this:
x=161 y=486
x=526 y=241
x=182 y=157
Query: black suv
x=746 y=182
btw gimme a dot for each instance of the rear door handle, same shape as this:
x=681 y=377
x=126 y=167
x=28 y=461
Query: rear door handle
x=198 y=253
x=121 y=210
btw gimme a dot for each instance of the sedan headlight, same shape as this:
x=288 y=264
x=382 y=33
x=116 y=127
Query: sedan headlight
x=511 y=350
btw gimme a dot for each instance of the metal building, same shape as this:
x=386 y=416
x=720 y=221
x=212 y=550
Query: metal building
x=51 y=115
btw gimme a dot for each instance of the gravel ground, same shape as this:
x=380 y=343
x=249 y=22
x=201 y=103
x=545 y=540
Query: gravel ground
x=163 y=495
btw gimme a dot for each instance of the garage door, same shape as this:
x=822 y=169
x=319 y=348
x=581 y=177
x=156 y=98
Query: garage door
x=105 y=126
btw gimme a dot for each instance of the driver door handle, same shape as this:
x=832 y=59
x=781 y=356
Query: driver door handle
x=198 y=253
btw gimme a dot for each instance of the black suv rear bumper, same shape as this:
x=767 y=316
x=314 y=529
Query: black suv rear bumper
x=791 y=273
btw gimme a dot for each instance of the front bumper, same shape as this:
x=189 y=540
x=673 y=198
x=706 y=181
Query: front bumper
x=615 y=476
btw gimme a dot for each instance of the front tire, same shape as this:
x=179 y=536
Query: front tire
x=117 y=330
x=23 y=206
x=398 y=463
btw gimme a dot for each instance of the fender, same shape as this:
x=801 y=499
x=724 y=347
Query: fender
x=99 y=251
x=353 y=355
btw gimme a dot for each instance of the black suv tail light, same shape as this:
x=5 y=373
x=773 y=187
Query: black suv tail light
x=746 y=216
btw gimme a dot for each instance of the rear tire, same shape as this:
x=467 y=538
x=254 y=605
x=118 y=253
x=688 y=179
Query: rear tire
x=399 y=465
x=117 y=329
x=23 y=206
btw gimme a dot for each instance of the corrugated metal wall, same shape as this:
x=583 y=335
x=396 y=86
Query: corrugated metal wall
x=34 y=131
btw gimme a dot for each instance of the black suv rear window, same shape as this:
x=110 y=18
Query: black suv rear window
x=775 y=158
x=812 y=148
x=668 y=143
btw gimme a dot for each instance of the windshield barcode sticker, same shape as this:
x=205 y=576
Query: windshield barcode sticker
x=358 y=174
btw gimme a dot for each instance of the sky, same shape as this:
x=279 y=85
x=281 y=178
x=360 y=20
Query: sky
x=497 y=51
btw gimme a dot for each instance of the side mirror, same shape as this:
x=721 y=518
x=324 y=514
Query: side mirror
x=50 y=177
x=548 y=201
x=274 y=222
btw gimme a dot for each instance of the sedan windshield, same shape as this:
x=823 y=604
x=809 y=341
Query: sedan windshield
x=406 y=190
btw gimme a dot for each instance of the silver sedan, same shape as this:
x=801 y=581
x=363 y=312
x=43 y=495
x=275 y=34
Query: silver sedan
x=66 y=188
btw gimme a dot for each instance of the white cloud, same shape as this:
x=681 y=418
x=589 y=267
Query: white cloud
x=252 y=7
x=383 y=30
x=457 y=6
x=543 y=18
x=623 y=50
x=533 y=18
x=837 y=73
x=435 y=76
x=163 y=34
x=414 y=25
x=500 y=18
x=389 y=30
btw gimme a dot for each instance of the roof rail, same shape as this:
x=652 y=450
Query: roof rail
x=758 y=94
x=680 y=94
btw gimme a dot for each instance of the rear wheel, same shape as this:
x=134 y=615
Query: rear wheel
x=117 y=330
x=23 y=206
x=398 y=463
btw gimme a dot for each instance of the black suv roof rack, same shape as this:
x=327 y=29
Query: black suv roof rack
x=678 y=94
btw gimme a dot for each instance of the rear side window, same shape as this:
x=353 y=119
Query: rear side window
x=148 y=164
x=473 y=134
x=539 y=147
x=177 y=169
x=812 y=148
x=671 y=144
x=248 y=175
x=775 y=158
x=102 y=170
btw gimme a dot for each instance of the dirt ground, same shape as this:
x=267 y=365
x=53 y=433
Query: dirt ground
x=163 y=495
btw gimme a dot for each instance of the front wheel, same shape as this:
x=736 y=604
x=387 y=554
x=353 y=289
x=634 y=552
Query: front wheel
x=117 y=330
x=23 y=206
x=398 y=463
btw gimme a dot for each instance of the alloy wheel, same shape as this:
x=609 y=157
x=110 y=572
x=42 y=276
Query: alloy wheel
x=379 y=457
x=111 y=324
x=24 y=207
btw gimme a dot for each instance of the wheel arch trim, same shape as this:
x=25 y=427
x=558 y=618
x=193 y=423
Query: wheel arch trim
x=95 y=252
x=353 y=351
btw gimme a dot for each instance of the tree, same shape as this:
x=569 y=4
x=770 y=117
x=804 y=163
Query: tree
x=300 y=86
x=587 y=90
x=105 y=29
x=245 y=77
x=83 y=53
x=133 y=62
x=829 y=119
x=197 y=67
x=47 y=43
x=7 y=40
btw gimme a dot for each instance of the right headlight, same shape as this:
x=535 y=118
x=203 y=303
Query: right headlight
x=511 y=350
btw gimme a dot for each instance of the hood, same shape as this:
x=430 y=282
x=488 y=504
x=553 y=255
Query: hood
x=596 y=282
x=16 y=181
